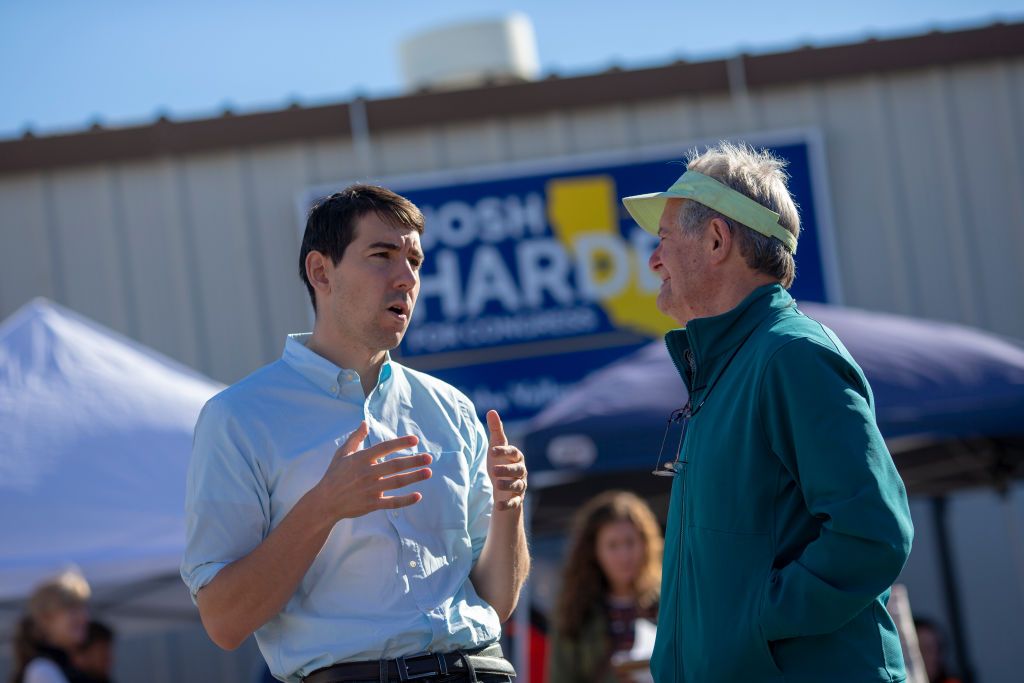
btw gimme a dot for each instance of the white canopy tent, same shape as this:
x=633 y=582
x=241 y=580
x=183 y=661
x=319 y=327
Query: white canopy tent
x=95 y=435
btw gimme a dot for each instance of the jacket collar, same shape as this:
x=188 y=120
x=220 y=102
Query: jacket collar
x=712 y=340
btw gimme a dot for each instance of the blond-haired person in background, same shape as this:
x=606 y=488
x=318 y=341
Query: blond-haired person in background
x=53 y=626
x=608 y=607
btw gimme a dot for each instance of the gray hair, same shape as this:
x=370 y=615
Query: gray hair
x=761 y=176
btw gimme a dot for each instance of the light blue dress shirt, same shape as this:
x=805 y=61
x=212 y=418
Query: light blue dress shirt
x=387 y=584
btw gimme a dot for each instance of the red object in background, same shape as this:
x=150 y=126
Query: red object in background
x=538 y=645
x=538 y=654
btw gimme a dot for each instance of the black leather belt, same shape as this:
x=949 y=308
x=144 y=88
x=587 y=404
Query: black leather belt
x=488 y=659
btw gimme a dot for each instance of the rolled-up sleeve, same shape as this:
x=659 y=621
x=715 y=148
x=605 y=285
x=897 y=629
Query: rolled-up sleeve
x=226 y=501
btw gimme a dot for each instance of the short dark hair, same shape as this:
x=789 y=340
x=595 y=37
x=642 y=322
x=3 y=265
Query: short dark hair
x=331 y=223
x=97 y=632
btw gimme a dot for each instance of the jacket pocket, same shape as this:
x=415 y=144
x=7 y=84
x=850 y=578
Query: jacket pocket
x=724 y=578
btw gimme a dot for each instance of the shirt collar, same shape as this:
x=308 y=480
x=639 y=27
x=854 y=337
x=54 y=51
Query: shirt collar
x=323 y=373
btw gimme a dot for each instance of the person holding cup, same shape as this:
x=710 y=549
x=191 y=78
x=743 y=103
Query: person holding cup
x=607 y=611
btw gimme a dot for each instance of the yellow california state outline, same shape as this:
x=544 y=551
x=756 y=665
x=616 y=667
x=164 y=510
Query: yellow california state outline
x=587 y=205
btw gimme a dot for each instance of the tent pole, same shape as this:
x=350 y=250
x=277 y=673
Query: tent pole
x=1017 y=547
x=952 y=590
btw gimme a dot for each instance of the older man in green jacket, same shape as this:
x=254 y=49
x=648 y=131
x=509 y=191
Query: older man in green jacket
x=788 y=521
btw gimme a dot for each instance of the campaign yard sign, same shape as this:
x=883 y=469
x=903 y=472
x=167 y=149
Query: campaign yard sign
x=535 y=275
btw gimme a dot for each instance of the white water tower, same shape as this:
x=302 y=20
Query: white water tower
x=470 y=54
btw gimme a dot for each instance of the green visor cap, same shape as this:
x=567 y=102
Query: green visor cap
x=646 y=209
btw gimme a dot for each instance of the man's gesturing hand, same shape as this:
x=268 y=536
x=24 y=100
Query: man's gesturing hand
x=357 y=478
x=506 y=466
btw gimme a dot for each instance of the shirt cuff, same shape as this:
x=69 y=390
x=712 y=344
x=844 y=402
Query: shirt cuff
x=202 y=575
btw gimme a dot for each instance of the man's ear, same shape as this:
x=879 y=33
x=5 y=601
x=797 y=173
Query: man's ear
x=317 y=271
x=719 y=240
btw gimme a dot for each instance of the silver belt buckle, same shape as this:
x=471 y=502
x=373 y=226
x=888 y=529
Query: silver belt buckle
x=403 y=668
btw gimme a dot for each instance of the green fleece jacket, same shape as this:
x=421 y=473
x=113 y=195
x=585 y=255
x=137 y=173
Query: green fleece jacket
x=788 y=521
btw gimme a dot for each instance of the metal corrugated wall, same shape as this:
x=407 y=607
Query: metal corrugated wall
x=195 y=256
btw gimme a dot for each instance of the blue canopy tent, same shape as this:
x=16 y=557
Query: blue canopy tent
x=949 y=400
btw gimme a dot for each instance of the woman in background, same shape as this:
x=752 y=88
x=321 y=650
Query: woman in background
x=604 y=623
x=54 y=626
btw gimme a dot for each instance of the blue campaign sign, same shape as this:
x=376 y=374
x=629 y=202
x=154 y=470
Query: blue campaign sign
x=535 y=277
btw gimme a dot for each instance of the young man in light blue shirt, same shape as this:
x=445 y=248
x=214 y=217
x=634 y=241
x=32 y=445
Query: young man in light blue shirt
x=353 y=513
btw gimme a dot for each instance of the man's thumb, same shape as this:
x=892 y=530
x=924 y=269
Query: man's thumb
x=497 y=429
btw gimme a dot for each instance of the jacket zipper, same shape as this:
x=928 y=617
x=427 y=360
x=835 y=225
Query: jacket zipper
x=691 y=363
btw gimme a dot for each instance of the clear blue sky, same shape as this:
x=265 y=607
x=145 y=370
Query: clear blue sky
x=68 y=63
